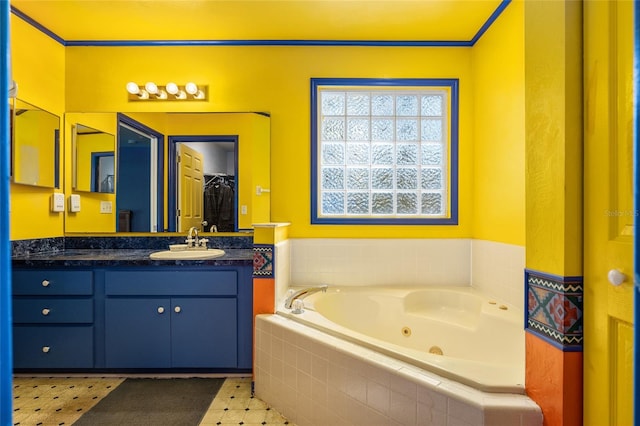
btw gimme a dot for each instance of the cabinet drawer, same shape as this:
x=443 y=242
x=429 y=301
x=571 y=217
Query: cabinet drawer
x=50 y=311
x=36 y=282
x=171 y=283
x=52 y=347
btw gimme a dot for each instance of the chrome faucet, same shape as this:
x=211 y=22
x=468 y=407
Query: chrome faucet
x=191 y=242
x=301 y=294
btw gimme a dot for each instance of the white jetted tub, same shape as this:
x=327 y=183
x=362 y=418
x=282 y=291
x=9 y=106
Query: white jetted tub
x=455 y=332
x=395 y=355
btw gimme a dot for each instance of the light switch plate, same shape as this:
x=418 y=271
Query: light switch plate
x=74 y=203
x=106 y=207
x=57 y=202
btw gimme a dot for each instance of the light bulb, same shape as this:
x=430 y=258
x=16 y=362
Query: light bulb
x=181 y=95
x=151 y=87
x=133 y=88
x=172 y=88
x=143 y=94
x=161 y=94
x=191 y=88
x=199 y=95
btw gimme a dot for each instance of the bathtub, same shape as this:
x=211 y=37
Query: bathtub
x=400 y=355
x=455 y=332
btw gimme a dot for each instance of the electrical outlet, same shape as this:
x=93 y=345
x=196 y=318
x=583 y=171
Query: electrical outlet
x=57 y=202
x=106 y=207
x=243 y=210
x=74 y=203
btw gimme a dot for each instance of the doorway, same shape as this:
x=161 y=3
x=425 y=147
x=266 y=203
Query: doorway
x=139 y=177
x=218 y=198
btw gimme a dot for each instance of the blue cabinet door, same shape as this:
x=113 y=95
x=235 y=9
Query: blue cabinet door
x=204 y=333
x=137 y=333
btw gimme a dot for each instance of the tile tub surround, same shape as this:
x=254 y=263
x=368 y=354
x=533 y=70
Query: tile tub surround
x=497 y=269
x=313 y=378
x=373 y=261
x=493 y=267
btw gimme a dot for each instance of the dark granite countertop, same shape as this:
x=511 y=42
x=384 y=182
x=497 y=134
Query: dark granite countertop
x=125 y=257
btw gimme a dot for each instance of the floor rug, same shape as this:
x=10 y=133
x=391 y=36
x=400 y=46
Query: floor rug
x=154 y=402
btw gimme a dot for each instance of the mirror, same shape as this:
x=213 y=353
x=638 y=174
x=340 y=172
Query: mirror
x=93 y=160
x=150 y=195
x=36 y=145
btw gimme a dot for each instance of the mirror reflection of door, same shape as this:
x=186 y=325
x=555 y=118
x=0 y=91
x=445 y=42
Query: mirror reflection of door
x=190 y=188
x=137 y=193
x=211 y=206
x=103 y=172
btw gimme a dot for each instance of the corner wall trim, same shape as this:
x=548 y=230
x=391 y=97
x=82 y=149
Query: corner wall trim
x=554 y=309
x=263 y=261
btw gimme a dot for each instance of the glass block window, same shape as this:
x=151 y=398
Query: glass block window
x=384 y=151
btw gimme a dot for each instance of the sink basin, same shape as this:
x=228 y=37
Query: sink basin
x=187 y=254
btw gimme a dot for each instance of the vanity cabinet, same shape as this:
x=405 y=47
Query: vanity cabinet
x=127 y=318
x=53 y=316
x=171 y=319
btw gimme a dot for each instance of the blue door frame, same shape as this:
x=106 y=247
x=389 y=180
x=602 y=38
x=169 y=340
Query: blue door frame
x=6 y=362
x=636 y=199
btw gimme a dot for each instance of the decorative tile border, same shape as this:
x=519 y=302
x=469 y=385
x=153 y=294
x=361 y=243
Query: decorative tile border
x=554 y=309
x=263 y=260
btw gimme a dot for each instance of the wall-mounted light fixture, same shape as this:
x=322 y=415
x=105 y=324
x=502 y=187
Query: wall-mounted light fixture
x=170 y=92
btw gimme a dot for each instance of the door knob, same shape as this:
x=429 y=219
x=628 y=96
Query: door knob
x=616 y=277
x=177 y=309
x=160 y=310
x=45 y=283
x=46 y=311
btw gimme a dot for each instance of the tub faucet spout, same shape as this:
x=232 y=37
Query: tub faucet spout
x=301 y=294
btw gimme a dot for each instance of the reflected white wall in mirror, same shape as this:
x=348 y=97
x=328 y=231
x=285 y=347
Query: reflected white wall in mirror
x=35 y=147
x=93 y=160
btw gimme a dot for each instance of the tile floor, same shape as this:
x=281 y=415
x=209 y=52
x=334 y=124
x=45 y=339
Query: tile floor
x=62 y=400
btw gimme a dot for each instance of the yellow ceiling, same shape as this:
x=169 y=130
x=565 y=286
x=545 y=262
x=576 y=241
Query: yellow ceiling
x=380 y=20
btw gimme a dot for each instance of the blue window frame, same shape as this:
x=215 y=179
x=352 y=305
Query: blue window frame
x=384 y=151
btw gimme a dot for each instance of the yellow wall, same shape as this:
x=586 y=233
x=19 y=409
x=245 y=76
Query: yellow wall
x=498 y=144
x=553 y=110
x=251 y=129
x=38 y=67
x=253 y=144
x=34 y=147
x=89 y=216
x=86 y=146
x=261 y=204
x=275 y=80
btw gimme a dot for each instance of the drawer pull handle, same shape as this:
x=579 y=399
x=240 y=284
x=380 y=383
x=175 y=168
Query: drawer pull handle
x=45 y=349
x=160 y=310
x=45 y=283
x=177 y=309
x=46 y=311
